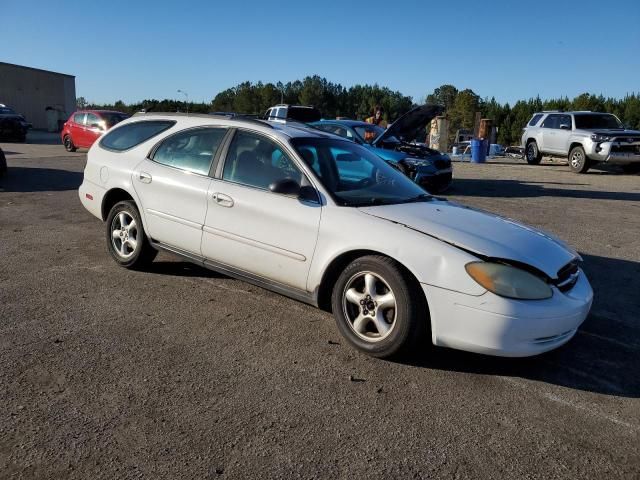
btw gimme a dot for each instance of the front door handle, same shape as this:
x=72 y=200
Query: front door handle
x=145 y=177
x=222 y=199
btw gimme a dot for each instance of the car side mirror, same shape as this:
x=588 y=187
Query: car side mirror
x=285 y=186
x=564 y=126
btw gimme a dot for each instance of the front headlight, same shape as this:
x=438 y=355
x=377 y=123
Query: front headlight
x=508 y=281
x=600 y=138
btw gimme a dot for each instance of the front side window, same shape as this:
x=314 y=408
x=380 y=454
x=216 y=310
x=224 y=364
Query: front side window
x=564 y=121
x=93 y=120
x=133 y=134
x=354 y=176
x=256 y=161
x=192 y=150
x=78 y=118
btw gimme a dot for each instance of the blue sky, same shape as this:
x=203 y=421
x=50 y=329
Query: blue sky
x=132 y=50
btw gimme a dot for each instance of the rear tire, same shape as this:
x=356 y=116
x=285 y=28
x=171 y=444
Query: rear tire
x=578 y=161
x=532 y=154
x=379 y=307
x=126 y=241
x=68 y=144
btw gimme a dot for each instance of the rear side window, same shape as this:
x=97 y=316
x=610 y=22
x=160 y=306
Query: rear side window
x=552 y=121
x=536 y=118
x=79 y=118
x=132 y=134
x=192 y=150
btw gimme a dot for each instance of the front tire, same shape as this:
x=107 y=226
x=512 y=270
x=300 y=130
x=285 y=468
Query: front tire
x=68 y=144
x=532 y=153
x=578 y=161
x=379 y=308
x=126 y=241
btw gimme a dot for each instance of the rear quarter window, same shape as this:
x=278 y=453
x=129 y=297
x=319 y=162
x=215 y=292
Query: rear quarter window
x=535 y=120
x=133 y=134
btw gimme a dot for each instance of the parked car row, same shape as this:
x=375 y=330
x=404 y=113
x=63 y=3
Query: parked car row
x=325 y=220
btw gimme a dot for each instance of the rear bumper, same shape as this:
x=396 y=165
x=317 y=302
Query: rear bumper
x=494 y=325
x=91 y=196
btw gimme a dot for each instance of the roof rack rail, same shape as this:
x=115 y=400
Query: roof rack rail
x=229 y=115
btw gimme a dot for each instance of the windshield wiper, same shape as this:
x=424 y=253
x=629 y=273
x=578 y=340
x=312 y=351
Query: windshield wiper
x=418 y=198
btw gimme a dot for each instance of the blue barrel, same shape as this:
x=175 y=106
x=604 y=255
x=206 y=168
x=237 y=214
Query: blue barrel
x=478 y=151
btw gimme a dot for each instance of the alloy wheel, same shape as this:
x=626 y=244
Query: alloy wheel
x=577 y=159
x=124 y=234
x=369 y=306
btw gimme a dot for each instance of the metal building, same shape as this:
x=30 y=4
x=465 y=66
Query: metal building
x=34 y=93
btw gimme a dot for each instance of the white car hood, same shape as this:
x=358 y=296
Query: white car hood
x=481 y=233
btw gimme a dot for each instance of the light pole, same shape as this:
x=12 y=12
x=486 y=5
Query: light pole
x=186 y=99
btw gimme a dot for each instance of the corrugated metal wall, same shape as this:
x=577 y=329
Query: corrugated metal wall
x=29 y=91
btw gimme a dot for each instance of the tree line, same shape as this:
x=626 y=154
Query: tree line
x=357 y=102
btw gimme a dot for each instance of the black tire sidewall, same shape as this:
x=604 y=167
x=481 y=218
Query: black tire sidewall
x=407 y=329
x=585 y=161
x=141 y=245
x=68 y=144
x=536 y=158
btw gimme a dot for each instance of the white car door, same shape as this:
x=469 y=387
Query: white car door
x=549 y=129
x=173 y=184
x=252 y=229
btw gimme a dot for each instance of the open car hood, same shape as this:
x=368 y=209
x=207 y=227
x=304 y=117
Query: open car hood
x=481 y=233
x=407 y=126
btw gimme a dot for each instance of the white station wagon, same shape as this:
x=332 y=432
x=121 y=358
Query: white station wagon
x=322 y=220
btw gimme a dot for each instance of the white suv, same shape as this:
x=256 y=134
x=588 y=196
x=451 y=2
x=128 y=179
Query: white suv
x=325 y=221
x=583 y=138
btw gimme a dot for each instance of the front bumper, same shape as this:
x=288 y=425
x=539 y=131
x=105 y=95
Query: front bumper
x=494 y=325
x=435 y=182
x=614 y=152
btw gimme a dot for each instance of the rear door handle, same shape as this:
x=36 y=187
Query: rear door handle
x=222 y=199
x=145 y=177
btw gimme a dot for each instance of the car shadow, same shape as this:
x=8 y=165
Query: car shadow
x=603 y=357
x=182 y=269
x=493 y=188
x=26 y=179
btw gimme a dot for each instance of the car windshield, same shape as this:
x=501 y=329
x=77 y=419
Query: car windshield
x=590 y=121
x=113 y=118
x=6 y=110
x=354 y=176
x=368 y=133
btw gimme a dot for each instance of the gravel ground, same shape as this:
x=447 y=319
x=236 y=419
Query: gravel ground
x=182 y=373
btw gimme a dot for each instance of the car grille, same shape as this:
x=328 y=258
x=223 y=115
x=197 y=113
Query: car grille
x=627 y=139
x=441 y=163
x=567 y=276
x=626 y=148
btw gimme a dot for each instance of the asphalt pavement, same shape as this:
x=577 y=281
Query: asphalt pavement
x=179 y=372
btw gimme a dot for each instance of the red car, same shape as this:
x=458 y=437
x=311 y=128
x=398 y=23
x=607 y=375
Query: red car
x=85 y=126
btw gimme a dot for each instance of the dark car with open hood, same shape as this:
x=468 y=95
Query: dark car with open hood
x=429 y=168
x=13 y=126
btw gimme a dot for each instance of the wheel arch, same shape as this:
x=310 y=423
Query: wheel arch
x=112 y=197
x=337 y=265
x=573 y=145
